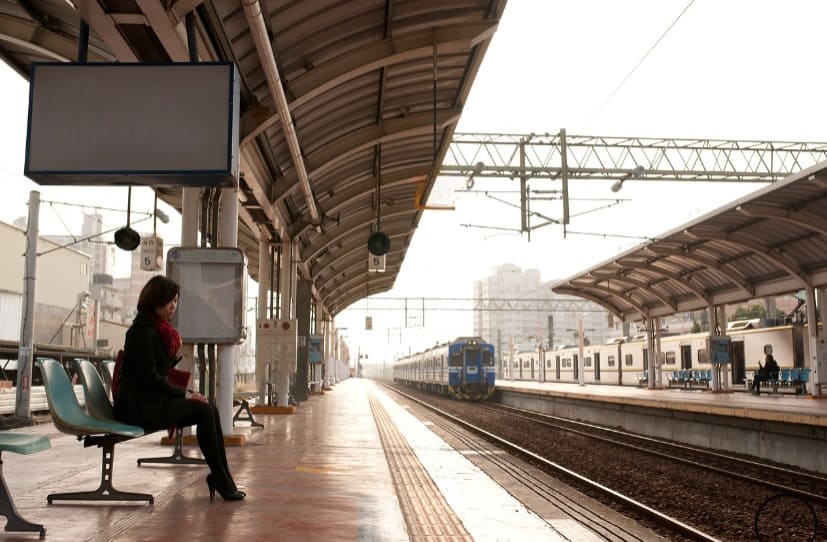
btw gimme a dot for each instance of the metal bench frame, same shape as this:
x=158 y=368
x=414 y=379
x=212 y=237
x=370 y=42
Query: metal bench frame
x=21 y=444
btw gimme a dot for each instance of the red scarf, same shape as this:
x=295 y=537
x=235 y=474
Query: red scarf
x=169 y=336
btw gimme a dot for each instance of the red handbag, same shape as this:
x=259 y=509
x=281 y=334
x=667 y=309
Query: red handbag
x=116 y=374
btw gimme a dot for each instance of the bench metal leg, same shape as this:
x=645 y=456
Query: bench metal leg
x=245 y=407
x=177 y=457
x=13 y=520
x=105 y=492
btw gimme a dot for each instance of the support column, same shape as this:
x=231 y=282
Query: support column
x=815 y=343
x=713 y=317
x=261 y=307
x=190 y=199
x=581 y=366
x=659 y=382
x=285 y=366
x=650 y=349
x=726 y=366
x=319 y=329
x=25 y=356
x=818 y=349
x=225 y=384
x=303 y=299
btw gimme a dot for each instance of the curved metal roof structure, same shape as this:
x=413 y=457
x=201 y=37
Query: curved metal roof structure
x=771 y=242
x=348 y=108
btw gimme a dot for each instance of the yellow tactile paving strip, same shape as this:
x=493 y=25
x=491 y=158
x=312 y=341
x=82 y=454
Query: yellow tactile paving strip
x=427 y=515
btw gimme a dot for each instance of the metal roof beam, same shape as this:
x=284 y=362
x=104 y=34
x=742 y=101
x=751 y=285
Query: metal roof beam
x=638 y=284
x=344 y=200
x=774 y=255
x=619 y=314
x=684 y=281
x=261 y=38
x=102 y=24
x=805 y=219
x=330 y=155
x=357 y=220
x=374 y=56
x=725 y=270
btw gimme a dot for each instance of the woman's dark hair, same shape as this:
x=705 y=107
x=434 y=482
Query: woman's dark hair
x=157 y=292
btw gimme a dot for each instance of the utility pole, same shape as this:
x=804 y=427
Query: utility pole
x=25 y=356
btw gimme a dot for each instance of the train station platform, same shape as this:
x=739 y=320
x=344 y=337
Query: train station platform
x=789 y=429
x=351 y=464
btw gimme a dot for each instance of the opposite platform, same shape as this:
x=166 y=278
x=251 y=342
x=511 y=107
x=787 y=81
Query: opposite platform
x=788 y=429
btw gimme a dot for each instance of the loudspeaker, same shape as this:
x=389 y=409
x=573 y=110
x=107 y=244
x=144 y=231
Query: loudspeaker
x=379 y=243
x=127 y=239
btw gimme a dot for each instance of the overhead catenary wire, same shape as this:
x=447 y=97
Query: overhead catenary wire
x=643 y=58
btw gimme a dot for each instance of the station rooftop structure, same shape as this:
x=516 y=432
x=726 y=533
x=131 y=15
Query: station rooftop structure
x=768 y=243
x=347 y=109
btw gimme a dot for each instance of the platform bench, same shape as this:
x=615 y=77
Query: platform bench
x=18 y=443
x=68 y=417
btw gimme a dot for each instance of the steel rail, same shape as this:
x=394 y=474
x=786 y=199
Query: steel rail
x=640 y=508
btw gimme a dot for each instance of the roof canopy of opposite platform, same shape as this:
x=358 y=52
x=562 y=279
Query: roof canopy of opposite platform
x=771 y=242
x=347 y=109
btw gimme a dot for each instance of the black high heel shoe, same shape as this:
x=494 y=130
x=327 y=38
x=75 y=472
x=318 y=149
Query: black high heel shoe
x=228 y=495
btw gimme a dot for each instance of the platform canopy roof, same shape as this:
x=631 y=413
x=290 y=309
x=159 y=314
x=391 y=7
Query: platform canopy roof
x=769 y=243
x=347 y=108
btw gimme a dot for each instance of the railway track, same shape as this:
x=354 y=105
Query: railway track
x=803 y=485
x=490 y=447
x=731 y=498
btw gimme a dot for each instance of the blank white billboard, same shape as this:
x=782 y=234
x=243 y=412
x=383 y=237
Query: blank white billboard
x=155 y=124
x=211 y=304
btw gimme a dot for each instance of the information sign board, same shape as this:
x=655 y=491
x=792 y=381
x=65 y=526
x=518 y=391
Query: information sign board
x=211 y=305
x=277 y=340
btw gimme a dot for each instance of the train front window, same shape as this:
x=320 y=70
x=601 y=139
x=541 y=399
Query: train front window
x=487 y=359
x=455 y=359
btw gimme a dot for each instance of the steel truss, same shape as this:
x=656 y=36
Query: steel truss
x=415 y=304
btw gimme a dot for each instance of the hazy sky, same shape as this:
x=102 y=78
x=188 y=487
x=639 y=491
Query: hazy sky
x=734 y=69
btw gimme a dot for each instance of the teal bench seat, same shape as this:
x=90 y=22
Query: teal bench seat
x=69 y=417
x=18 y=443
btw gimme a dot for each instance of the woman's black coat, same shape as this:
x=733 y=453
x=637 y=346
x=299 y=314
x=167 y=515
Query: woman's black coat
x=145 y=397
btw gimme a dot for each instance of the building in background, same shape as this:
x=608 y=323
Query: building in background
x=64 y=311
x=528 y=329
x=130 y=287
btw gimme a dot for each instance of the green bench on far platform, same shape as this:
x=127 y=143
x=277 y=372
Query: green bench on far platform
x=18 y=443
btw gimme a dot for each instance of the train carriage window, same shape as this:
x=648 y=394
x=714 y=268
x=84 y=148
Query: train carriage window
x=548 y=363
x=702 y=356
x=611 y=361
x=629 y=360
x=587 y=361
x=670 y=358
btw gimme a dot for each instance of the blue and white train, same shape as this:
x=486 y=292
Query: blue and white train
x=464 y=368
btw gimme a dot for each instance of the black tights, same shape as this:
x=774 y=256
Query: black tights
x=211 y=442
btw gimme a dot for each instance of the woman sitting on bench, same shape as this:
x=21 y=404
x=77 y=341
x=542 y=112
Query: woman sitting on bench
x=146 y=398
x=766 y=372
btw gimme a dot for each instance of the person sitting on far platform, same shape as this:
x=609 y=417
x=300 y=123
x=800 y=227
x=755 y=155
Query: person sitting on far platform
x=766 y=372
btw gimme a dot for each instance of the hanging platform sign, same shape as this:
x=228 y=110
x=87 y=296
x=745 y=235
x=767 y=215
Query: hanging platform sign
x=314 y=349
x=152 y=124
x=719 y=349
